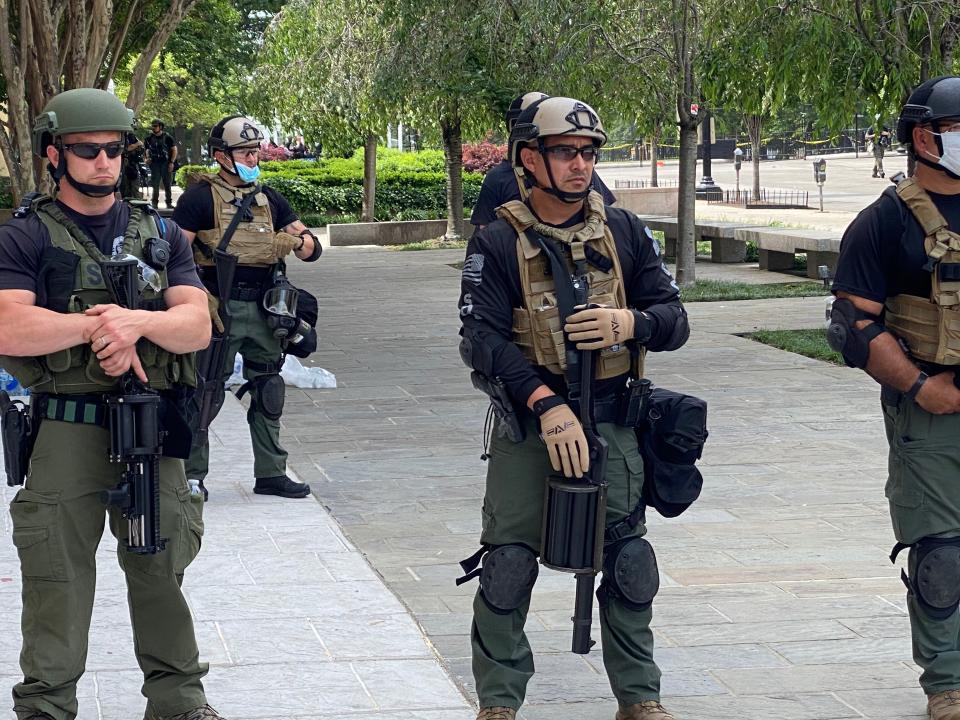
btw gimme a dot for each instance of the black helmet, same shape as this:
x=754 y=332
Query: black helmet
x=521 y=103
x=157 y=121
x=931 y=101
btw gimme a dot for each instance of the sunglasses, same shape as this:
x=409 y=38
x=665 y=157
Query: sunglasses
x=567 y=153
x=90 y=150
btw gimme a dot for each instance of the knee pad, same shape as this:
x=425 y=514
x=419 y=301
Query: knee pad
x=507 y=578
x=269 y=395
x=630 y=573
x=934 y=575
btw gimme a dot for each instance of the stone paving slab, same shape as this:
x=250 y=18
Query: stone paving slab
x=777 y=600
x=291 y=617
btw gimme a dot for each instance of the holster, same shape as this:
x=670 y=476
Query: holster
x=18 y=428
x=510 y=425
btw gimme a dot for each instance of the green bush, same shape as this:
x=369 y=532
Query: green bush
x=6 y=193
x=409 y=185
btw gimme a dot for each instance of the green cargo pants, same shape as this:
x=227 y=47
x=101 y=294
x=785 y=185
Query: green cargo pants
x=922 y=487
x=512 y=513
x=249 y=336
x=58 y=520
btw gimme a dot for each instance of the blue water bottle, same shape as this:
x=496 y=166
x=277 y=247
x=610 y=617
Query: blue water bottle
x=9 y=383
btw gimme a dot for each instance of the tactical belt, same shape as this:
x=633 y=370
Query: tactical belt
x=246 y=293
x=84 y=409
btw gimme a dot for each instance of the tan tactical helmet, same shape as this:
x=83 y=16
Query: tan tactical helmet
x=554 y=116
x=233 y=132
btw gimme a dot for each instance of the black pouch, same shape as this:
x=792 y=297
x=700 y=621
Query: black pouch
x=176 y=419
x=17 y=427
x=633 y=403
x=671 y=438
x=307 y=314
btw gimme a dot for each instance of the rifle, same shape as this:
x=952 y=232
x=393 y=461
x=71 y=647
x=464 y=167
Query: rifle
x=136 y=438
x=574 y=516
x=212 y=361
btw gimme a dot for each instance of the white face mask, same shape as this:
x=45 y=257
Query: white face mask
x=950 y=159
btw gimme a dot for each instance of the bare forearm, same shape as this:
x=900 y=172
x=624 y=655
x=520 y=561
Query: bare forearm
x=889 y=365
x=180 y=329
x=30 y=331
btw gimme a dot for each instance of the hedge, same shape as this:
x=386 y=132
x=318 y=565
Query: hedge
x=408 y=184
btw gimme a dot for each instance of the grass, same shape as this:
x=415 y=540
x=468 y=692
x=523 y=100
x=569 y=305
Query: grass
x=809 y=343
x=718 y=290
x=435 y=244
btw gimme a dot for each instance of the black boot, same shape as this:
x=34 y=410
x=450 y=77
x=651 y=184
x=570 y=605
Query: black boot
x=281 y=485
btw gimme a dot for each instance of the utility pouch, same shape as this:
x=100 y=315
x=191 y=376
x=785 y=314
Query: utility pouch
x=633 y=403
x=510 y=425
x=16 y=425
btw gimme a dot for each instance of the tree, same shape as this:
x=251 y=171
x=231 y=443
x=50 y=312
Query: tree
x=51 y=45
x=319 y=70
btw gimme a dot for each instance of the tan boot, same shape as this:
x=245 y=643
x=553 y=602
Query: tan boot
x=497 y=713
x=646 y=710
x=944 y=705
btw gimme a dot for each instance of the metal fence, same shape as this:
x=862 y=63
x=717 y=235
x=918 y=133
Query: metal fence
x=768 y=198
x=625 y=184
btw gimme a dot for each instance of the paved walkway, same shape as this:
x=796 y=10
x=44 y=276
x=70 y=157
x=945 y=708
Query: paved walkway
x=777 y=600
x=289 y=614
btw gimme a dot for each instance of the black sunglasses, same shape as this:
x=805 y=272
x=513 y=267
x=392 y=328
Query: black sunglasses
x=567 y=153
x=90 y=150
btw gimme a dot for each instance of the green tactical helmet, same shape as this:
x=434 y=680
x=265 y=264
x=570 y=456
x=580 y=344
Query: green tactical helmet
x=80 y=110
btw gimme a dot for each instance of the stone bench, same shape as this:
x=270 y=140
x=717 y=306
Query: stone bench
x=389 y=233
x=778 y=246
x=725 y=246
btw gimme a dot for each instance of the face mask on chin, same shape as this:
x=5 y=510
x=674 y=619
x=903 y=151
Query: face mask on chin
x=247 y=174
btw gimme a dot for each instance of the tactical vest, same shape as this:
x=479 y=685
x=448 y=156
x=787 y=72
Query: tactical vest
x=72 y=286
x=254 y=242
x=930 y=326
x=537 y=329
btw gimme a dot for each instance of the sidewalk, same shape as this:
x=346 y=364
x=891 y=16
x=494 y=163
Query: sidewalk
x=777 y=597
x=290 y=616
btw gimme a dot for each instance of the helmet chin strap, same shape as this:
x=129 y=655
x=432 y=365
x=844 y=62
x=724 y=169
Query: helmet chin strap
x=232 y=171
x=562 y=195
x=937 y=166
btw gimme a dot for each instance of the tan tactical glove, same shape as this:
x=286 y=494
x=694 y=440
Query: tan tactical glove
x=566 y=443
x=285 y=243
x=213 y=307
x=599 y=327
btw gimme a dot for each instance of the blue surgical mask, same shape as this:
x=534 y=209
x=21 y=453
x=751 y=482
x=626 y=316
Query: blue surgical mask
x=247 y=174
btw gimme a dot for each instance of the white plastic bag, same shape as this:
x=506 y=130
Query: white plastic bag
x=237 y=377
x=295 y=374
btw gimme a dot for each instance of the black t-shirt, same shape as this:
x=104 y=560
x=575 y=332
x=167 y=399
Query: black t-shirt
x=159 y=146
x=194 y=211
x=500 y=186
x=490 y=289
x=882 y=253
x=23 y=240
x=134 y=158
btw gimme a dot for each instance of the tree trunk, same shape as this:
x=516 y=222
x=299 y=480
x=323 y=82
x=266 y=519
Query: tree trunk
x=168 y=23
x=754 y=125
x=368 y=213
x=686 y=205
x=453 y=155
x=654 y=141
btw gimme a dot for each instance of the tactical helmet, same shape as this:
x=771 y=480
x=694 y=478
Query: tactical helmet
x=233 y=132
x=554 y=116
x=157 y=121
x=521 y=103
x=930 y=102
x=76 y=111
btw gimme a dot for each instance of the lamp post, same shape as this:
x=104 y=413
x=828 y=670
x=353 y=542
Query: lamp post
x=707 y=188
x=856 y=135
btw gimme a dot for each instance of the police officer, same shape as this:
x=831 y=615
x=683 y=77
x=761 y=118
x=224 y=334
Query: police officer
x=62 y=337
x=880 y=139
x=504 y=183
x=130 y=177
x=270 y=231
x=162 y=156
x=512 y=332
x=896 y=316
